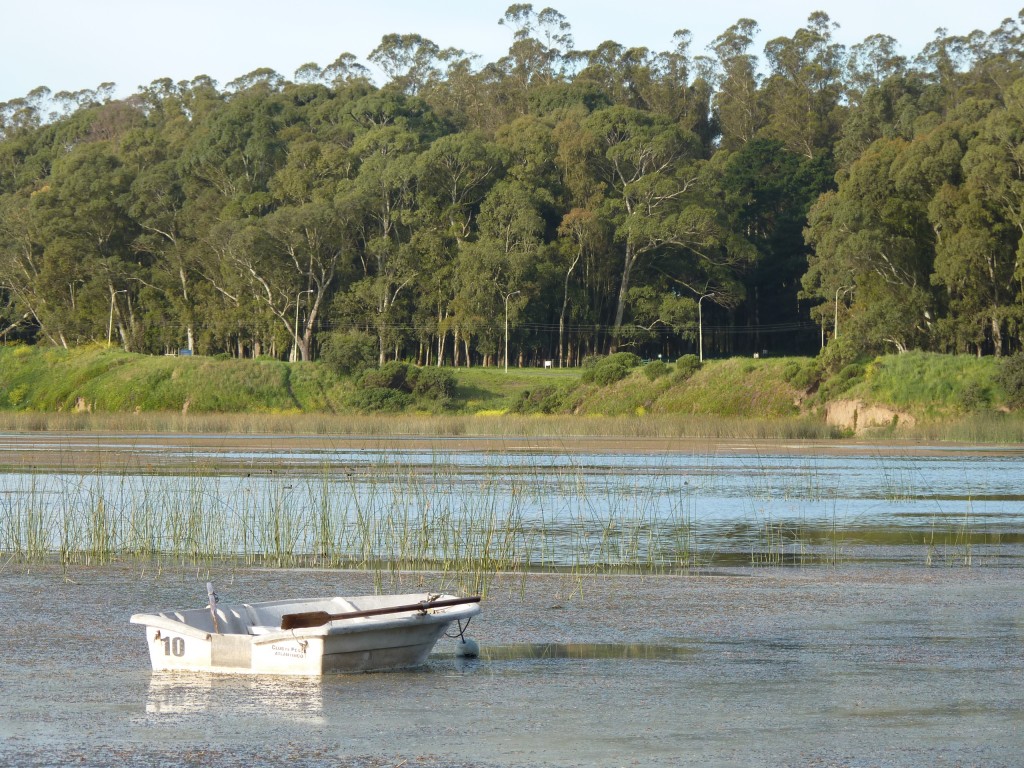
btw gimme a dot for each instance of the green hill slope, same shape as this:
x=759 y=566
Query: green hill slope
x=919 y=387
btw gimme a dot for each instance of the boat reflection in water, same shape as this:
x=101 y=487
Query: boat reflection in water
x=297 y=699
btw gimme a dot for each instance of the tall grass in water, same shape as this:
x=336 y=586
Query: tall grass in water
x=952 y=540
x=511 y=515
x=389 y=518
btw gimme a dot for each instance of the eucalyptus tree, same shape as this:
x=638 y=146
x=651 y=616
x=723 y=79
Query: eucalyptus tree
x=650 y=170
x=383 y=192
x=158 y=205
x=495 y=273
x=23 y=114
x=874 y=244
x=25 y=151
x=681 y=88
x=344 y=71
x=541 y=42
x=979 y=226
x=737 y=101
x=26 y=154
x=21 y=268
x=871 y=63
x=764 y=193
x=454 y=175
x=234 y=319
x=946 y=63
x=263 y=77
x=540 y=54
x=411 y=62
x=662 y=83
x=1000 y=63
x=581 y=235
x=294 y=264
x=615 y=70
x=85 y=233
x=803 y=91
x=237 y=148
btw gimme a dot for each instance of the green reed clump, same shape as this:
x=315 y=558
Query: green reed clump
x=384 y=518
x=951 y=540
x=510 y=516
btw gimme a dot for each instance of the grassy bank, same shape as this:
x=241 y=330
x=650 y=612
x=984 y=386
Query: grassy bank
x=92 y=388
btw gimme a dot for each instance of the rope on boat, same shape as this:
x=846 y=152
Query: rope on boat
x=461 y=633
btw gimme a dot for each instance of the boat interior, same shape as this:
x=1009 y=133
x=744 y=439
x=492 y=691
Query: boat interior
x=247 y=619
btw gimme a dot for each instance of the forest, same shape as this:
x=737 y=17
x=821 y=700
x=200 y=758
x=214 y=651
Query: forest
x=537 y=210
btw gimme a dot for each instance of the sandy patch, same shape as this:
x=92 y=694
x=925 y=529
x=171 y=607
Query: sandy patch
x=859 y=417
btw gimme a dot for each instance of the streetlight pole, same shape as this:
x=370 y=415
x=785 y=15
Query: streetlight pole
x=110 y=322
x=295 y=349
x=700 y=323
x=507 y=297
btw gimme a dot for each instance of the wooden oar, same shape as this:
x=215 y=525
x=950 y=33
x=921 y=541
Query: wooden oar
x=319 y=618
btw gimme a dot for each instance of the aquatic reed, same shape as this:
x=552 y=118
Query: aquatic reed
x=511 y=514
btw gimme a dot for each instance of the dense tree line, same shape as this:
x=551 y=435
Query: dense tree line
x=557 y=202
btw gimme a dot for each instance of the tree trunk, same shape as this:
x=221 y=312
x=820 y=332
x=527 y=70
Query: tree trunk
x=441 y=338
x=627 y=268
x=997 y=337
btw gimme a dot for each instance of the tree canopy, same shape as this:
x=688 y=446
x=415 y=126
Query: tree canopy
x=557 y=202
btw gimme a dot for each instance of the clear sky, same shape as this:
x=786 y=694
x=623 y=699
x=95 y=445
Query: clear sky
x=75 y=44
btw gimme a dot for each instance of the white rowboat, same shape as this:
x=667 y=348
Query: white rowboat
x=334 y=634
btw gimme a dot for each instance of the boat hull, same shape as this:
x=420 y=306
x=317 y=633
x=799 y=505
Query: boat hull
x=248 y=640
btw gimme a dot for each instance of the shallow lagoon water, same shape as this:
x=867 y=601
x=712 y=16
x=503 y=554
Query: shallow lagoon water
x=890 y=655
x=859 y=666
x=560 y=508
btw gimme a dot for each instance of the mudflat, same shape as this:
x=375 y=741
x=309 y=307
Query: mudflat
x=81 y=450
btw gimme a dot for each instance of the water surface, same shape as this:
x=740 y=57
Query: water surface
x=864 y=666
x=551 y=508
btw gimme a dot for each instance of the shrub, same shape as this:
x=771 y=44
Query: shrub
x=380 y=399
x=686 y=366
x=1011 y=379
x=842 y=381
x=431 y=384
x=547 y=399
x=806 y=377
x=838 y=354
x=436 y=383
x=16 y=395
x=851 y=372
x=655 y=370
x=394 y=375
x=610 y=369
x=791 y=370
x=348 y=353
x=975 y=397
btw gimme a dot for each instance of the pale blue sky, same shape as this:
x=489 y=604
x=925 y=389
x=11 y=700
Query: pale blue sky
x=75 y=44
